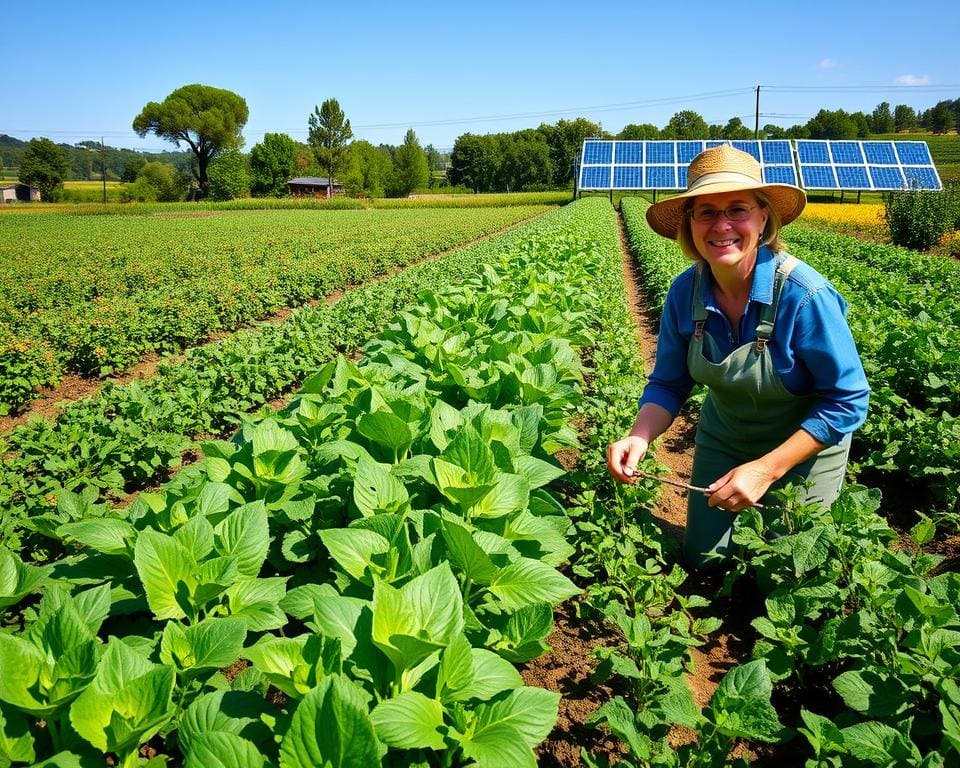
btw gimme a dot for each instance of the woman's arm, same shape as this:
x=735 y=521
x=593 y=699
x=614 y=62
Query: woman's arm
x=624 y=455
x=744 y=485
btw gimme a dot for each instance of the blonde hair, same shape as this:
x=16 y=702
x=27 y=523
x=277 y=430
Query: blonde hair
x=769 y=237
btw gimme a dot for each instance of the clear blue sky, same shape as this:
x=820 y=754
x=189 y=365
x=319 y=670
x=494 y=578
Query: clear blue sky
x=80 y=70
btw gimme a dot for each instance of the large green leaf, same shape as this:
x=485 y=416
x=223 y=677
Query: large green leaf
x=237 y=712
x=409 y=721
x=422 y=616
x=375 y=490
x=245 y=534
x=532 y=711
x=167 y=572
x=741 y=704
x=223 y=750
x=17 y=579
x=524 y=635
x=537 y=472
x=21 y=664
x=16 y=741
x=104 y=534
x=874 y=692
x=337 y=616
x=212 y=644
x=468 y=451
x=354 y=550
x=527 y=581
x=879 y=744
x=499 y=745
x=466 y=555
x=331 y=727
x=257 y=602
x=128 y=702
x=388 y=431
x=295 y=664
x=510 y=493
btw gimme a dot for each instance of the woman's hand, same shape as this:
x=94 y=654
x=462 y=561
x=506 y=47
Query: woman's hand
x=623 y=457
x=742 y=486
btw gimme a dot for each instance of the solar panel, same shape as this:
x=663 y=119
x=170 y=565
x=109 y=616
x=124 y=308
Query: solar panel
x=853 y=177
x=886 y=177
x=880 y=152
x=921 y=178
x=818 y=177
x=629 y=152
x=661 y=152
x=780 y=174
x=809 y=163
x=846 y=152
x=913 y=152
x=750 y=147
x=597 y=152
x=628 y=177
x=776 y=152
x=661 y=177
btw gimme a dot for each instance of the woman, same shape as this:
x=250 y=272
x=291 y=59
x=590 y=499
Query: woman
x=766 y=334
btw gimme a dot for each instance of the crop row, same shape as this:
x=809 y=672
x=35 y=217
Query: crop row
x=95 y=294
x=378 y=555
x=129 y=436
x=906 y=325
x=859 y=631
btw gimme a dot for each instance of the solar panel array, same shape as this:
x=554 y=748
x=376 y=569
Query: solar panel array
x=813 y=164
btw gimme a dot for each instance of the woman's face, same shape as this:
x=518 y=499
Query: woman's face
x=723 y=242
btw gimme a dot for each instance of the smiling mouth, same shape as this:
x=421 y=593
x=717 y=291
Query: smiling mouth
x=722 y=243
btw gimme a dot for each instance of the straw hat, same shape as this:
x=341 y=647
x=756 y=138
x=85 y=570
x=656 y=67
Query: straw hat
x=723 y=169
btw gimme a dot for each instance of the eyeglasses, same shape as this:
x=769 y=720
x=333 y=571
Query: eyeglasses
x=735 y=212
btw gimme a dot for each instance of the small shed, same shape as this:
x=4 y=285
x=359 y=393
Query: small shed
x=13 y=193
x=314 y=186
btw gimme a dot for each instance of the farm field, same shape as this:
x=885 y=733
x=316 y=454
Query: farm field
x=369 y=573
x=95 y=293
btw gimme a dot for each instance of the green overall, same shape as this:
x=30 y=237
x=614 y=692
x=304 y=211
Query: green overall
x=747 y=412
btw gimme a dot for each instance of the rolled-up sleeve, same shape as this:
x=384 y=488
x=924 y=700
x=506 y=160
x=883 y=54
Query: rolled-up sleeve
x=670 y=384
x=824 y=344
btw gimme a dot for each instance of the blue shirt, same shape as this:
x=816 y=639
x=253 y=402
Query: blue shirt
x=811 y=347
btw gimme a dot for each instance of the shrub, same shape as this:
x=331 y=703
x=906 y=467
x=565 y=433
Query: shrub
x=919 y=219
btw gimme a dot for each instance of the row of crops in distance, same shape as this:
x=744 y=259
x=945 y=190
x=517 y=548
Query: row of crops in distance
x=95 y=294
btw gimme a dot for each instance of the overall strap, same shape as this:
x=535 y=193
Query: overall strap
x=769 y=314
x=699 y=308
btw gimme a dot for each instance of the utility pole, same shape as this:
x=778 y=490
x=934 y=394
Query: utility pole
x=756 y=122
x=103 y=169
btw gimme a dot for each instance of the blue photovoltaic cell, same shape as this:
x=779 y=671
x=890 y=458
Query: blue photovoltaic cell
x=913 y=152
x=920 y=178
x=629 y=152
x=812 y=151
x=661 y=177
x=597 y=152
x=853 y=177
x=595 y=177
x=886 y=177
x=818 y=177
x=750 y=147
x=846 y=152
x=682 y=176
x=687 y=150
x=879 y=152
x=712 y=144
x=780 y=174
x=661 y=152
x=776 y=152
x=627 y=177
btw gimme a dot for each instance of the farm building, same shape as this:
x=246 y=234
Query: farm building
x=314 y=186
x=12 y=193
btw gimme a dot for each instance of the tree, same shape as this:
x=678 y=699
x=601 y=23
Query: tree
x=904 y=118
x=686 y=124
x=329 y=133
x=164 y=180
x=43 y=166
x=409 y=167
x=832 y=125
x=526 y=162
x=564 y=141
x=940 y=117
x=474 y=162
x=229 y=176
x=273 y=162
x=771 y=131
x=208 y=119
x=735 y=129
x=881 y=119
x=369 y=171
x=641 y=132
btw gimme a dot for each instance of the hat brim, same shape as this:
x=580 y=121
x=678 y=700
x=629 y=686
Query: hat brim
x=666 y=216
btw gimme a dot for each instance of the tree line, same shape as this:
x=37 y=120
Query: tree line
x=209 y=122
